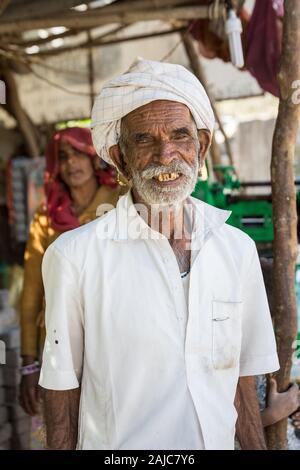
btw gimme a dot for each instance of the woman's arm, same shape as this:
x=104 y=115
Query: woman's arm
x=33 y=292
x=31 y=306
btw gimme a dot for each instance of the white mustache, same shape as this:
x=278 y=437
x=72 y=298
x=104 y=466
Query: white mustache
x=174 y=167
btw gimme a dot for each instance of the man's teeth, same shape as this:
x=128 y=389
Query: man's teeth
x=167 y=176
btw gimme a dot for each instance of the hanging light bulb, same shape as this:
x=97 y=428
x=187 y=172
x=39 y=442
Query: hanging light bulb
x=233 y=28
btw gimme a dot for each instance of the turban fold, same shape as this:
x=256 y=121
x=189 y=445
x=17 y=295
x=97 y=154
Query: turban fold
x=144 y=82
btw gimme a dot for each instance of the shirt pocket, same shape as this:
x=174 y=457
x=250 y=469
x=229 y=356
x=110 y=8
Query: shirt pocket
x=226 y=333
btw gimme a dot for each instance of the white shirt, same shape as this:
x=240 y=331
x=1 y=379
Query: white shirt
x=115 y=320
x=186 y=286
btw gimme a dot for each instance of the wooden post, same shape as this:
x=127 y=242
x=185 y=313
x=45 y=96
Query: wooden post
x=284 y=206
x=15 y=109
x=91 y=72
x=215 y=154
x=3 y=5
x=90 y=66
x=95 y=42
x=96 y=18
x=197 y=69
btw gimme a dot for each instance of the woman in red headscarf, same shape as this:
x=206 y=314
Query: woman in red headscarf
x=76 y=183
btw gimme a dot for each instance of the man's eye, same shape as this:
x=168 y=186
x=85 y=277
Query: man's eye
x=142 y=139
x=62 y=157
x=181 y=136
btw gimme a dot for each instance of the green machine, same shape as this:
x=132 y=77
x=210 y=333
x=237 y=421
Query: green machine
x=252 y=214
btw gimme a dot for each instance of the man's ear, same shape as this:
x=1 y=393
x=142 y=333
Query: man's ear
x=204 y=137
x=118 y=159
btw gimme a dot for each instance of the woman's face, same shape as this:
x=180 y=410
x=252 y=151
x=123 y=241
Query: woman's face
x=75 y=168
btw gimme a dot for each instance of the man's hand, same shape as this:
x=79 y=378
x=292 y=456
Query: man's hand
x=249 y=427
x=61 y=417
x=279 y=405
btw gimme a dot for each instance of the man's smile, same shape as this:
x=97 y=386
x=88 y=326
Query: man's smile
x=163 y=177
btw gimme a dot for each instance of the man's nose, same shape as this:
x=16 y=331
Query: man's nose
x=164 y=153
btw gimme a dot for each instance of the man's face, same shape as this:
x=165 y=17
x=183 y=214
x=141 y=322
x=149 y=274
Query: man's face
x=75 y=168
x=160 y=151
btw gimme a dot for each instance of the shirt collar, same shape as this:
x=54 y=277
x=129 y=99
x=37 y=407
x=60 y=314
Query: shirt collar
x=130 y=225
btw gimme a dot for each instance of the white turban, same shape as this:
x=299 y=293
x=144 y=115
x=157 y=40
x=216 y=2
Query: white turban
x=146 y=81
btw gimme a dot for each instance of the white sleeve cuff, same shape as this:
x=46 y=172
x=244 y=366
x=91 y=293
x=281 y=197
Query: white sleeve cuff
x=58 y=380
x=258 y=365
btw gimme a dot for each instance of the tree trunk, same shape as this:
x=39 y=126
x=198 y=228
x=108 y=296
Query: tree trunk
x=284 y=207
x=197 y=69
x=3 y=5
x=15 y=109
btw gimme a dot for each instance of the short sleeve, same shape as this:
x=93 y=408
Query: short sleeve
x=258 y=352
x=63 y=350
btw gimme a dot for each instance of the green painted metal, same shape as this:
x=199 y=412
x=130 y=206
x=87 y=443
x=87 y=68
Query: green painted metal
x=252 y=216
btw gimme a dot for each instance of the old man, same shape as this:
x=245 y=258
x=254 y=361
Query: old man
x=156 y=313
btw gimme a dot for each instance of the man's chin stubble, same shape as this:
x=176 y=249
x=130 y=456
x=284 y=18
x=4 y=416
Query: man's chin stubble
x=163 y=196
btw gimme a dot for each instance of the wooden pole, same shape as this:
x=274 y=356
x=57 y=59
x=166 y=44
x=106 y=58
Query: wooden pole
x=90 y=68
x=41 y=41
x=197 y=68
x=37 y=8
x=96 y=18
x=125 y=5
x=215 y=152
x=91 y=75
x=41 y=9
x=96 y=42
x=68 y=33
x=3 y=5
x=284 y=207
x=15 y=109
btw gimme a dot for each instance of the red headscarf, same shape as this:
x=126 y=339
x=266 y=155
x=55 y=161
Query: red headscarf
x=58 y=198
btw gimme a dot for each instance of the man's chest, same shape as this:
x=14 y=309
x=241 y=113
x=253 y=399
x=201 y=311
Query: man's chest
x=136 y=316
x=182 y=254
x=140 y=290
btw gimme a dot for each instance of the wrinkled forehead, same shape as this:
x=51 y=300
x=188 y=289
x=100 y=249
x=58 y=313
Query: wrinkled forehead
x=158 y=113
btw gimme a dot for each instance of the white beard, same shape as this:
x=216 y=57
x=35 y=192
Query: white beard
x=151 y=193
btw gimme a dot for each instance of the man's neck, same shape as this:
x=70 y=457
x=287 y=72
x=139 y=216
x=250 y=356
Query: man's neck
x=169 y=220
x=83 y=195
x=165 y=219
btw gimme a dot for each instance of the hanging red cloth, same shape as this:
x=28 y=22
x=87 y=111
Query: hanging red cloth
x=261 y=38
x=264 y=35
x=212 y=40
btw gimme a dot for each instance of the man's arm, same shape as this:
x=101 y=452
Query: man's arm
x=62 y=362
x=249 y=427
x=61 y=409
